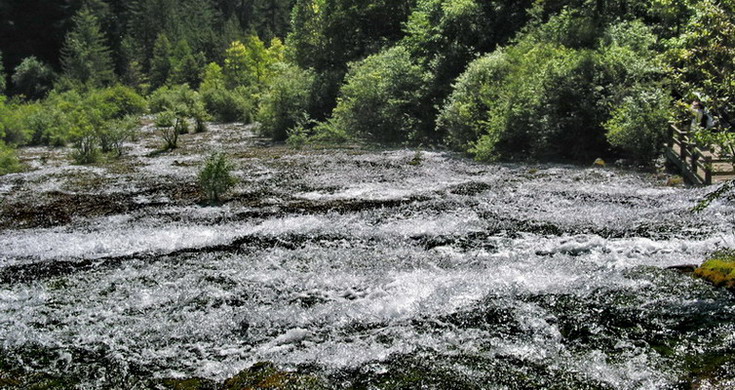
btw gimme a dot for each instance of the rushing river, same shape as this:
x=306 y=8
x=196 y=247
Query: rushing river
x=368 y=269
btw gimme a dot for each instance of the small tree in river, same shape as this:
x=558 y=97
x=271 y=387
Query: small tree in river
x=215 y=178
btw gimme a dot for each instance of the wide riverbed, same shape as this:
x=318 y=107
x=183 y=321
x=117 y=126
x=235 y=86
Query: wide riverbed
x=365 y=268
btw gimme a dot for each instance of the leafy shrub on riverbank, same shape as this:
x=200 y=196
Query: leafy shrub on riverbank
x=8 y=160
x=285 y=101
x=381 y=98
x=637 y=124
x=552 y=94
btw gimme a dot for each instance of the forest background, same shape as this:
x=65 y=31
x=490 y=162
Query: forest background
x=559 y=80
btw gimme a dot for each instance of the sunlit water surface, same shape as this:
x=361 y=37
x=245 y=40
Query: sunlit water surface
x=364 y=269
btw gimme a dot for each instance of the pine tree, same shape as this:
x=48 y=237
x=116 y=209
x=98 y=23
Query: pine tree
x=161 y=61
x=85 y=56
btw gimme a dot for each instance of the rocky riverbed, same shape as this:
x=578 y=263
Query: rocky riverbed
x=356 y=268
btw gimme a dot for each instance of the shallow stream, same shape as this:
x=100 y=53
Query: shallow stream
x=369 y=269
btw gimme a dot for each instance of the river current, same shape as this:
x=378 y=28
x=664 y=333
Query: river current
x=366 y=268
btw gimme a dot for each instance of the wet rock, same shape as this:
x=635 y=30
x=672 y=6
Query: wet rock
x=683 y=268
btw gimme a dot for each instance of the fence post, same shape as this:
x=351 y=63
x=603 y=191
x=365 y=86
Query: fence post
x=683 y=145
x=670 y=136
x=707 y=170
x=695 y=157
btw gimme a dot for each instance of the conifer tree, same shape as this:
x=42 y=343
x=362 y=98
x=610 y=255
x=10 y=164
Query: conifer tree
x=85 y=56
x=161 y=61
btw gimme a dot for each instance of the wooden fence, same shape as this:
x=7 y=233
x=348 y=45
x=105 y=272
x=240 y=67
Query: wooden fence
x=698 y=165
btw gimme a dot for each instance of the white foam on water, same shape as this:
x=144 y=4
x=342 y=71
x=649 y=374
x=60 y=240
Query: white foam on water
x=357 y=289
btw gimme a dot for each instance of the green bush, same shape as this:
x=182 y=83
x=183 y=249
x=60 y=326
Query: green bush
x=639 y=125
x=228 y=105
x=8 y=160
x=465 y=113
x=170 y=124
x=115 y=132
x=285 y=101
x=84 y=127
x=215 y=178
x=13 y=126
x=118 y=102
x=550 y=98
x=32 y=78
x=224 y=104
x=381 y=99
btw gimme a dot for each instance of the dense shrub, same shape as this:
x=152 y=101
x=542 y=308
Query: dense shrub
x=32 y=78
x=13 y=127
x=118 y=102
x=8 y=160
x=224 y=104
x=541 y=99
x=638 y=126
x=285 y=101
x=215 y=178
x=229 y=105
x=464 y=115
x=381 y=98
x=115 y=132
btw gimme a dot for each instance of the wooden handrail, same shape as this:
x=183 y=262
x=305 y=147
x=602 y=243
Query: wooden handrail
x=691 y=159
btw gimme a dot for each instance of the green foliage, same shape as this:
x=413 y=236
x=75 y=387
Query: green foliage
x=465 y=113
x=118 y=102
x=170 y=124
x=224 y=104
x=250 y=63
x=177 y=98
x=9 y=162
x=550 y=98
x=229 y=105
x=285 y=101
x=13 y=128
x=701 y=62
x=84 y=125
x=32 y=78
x=85 y=56
x=381 y=98
x=176 y=105
x=215 y=178
x=3 y=81
x=188 y=69
x=161 y=62
x=115 y=132
x=446 y=35
x=638 y=126
x=326 y=35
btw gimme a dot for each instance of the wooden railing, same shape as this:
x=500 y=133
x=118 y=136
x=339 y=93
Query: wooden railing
x=697 y=165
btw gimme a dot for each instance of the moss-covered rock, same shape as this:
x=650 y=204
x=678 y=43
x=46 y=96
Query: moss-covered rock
x=719 y=270
x=266 y=376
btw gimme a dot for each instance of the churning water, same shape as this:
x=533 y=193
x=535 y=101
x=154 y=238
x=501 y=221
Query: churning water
x=369 y=271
